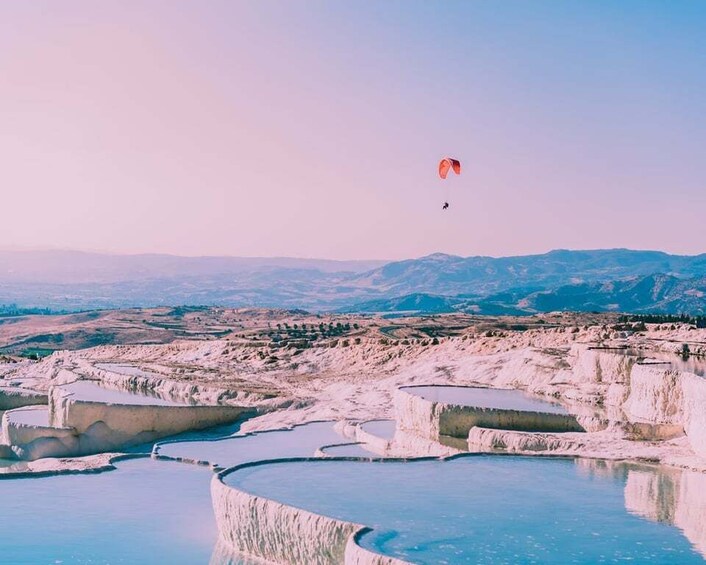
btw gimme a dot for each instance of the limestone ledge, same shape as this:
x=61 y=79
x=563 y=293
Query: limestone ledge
x=433 y=420
x=51 y=466
x=32 y=441
x=17 y=397
x=167 y=388
x=79 y=427
x=257 y=526
x=605 y=391
x=377 y=444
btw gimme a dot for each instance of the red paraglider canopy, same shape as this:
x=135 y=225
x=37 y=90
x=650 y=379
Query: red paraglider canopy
x=448 y=163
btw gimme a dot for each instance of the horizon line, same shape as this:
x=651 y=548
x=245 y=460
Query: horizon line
x=88 y=251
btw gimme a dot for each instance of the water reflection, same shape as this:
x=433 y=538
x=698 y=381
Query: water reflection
x=690 y=363
x=670 y=496
x=493 y=509
x=660 y=494
x=146 y=511
x=501 y=509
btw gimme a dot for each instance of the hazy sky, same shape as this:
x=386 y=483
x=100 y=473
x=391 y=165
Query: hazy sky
x=309 y=128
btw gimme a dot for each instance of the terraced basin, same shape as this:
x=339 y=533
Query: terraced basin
x=497 y=509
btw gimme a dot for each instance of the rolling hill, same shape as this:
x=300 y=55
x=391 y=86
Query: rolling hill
x=612 y=279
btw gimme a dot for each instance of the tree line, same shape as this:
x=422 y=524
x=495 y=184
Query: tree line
x=698 y=321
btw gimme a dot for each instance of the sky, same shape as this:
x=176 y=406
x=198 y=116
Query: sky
x=314 y=128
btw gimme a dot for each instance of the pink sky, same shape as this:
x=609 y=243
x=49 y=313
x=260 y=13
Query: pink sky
x=314 y=129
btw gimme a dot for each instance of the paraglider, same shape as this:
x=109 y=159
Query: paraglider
x=445 y=165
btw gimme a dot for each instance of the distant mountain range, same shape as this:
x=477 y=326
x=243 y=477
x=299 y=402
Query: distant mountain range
x=598 y=280
x=647 y=294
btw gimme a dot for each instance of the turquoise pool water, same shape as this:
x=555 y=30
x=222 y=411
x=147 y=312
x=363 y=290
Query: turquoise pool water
x=146 y=511
x=301 y=441
x=485 y=398
x=493 y=509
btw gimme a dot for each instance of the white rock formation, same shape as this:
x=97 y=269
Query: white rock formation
x=269 y=530
x=16 y=397
x=276 y=532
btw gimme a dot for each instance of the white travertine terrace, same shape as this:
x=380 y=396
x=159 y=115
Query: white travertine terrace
x=127 y=421
x=165 y=387
x=489 y=439
x=30 y=441
x=16 y=397
x=615 y=399
x=432 y=420
x=377 y=444
x=266 y=529
x=628 y=401
x=671 y=398
x=78 y=426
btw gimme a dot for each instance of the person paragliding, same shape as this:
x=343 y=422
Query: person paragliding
x=445 y=165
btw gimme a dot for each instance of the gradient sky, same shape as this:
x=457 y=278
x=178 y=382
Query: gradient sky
x=314 y=128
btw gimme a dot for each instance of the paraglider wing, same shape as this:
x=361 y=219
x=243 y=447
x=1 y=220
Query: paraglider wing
x=444 y=167
x=448 y=163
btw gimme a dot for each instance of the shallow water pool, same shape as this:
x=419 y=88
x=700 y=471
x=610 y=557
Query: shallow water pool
x=485 y=398
x=91 y=391
x=301 y=441
x=30 y=416
x=495 y=509
x=380 y=428
x=146 y=511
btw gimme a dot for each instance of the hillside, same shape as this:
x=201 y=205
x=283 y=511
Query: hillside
x=657 y=293
x=70 y=281
x=450 y=275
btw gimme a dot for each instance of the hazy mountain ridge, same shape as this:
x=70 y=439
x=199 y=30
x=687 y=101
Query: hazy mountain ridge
x=558 y=280
x=451 y=275
x=656 y=293
x=75 y=267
